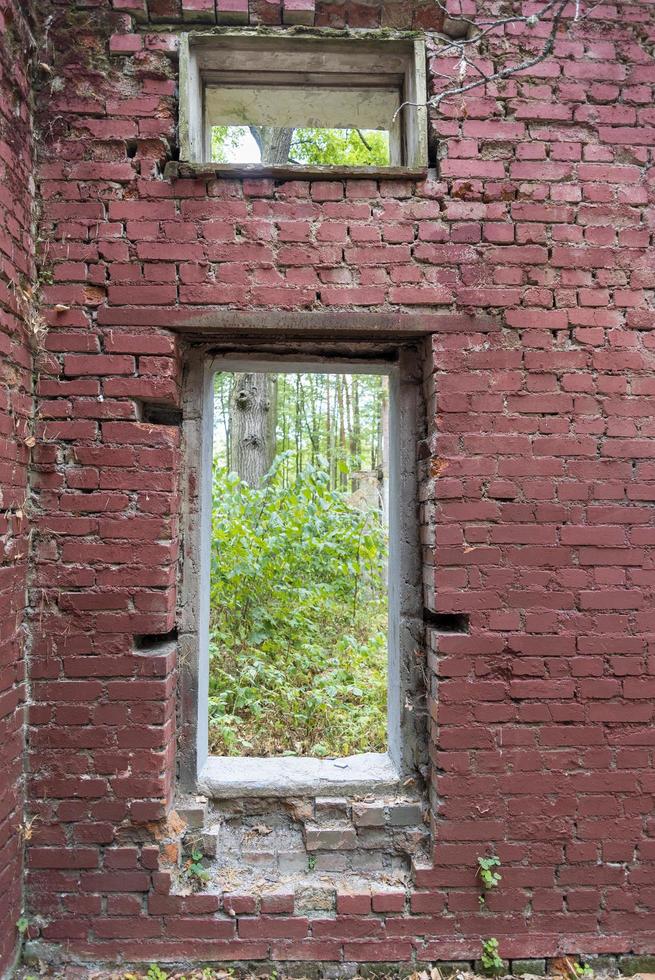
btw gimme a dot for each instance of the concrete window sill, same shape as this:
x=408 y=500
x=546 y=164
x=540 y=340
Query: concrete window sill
x=228 y=777
x=175 y=169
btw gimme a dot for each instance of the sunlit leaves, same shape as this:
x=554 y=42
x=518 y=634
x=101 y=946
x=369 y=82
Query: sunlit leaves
x=298 y=619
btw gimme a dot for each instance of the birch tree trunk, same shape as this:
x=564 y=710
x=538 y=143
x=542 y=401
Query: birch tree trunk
x=251 y=425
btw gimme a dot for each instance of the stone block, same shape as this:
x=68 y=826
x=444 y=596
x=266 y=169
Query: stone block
x=386 y=970
x=500 y=972
x=290 y=862
x=405 y=814
x=368 y=814
x=261 y=859
x=601 y=964
x=331 y=862
x=631 y=965
x=373 y=837
x=330 y=838
x=533 y=967
x=340 y=971
x=448 y=967
x=210 y=842
x=193 y=814
x=331 y=809
x=302 y=971
x=367 y=861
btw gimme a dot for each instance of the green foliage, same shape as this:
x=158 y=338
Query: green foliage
x=488 y=876
x=23 y=925
x=312 y=146
x=195 y=869
x=156 y=973
x=491 y=960
x=297 y=619
x=340 y=147
x=583 y=970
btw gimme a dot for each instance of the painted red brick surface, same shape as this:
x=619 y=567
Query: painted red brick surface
x=16 y=275
x=532 y=245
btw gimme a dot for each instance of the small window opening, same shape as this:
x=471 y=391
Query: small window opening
x=298 y=606
x=303 y=101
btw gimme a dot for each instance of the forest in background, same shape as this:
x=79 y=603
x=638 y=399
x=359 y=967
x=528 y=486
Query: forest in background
x=298 y=593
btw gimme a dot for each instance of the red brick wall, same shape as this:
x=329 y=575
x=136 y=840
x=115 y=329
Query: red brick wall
x=16 y=273
x=538 y=512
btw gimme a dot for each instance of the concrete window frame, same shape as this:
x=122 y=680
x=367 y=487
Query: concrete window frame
x=220 y=776
x=311 y=78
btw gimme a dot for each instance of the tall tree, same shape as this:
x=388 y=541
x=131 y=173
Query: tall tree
x=251 y=425
x=274 y=143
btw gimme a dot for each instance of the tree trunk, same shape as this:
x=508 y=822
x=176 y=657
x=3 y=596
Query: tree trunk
x=250 y=425
x=274 y=144
x=355 y=434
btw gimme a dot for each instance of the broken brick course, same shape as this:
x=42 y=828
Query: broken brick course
x=530 y=254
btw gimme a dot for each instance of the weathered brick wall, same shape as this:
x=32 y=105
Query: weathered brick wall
x=538 y=521
x=16 y=273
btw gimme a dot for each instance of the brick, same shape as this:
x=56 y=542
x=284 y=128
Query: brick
x=536 y=488
x=278 y=927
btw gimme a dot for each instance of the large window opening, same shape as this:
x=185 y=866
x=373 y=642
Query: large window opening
x=298 y=597
x=300 y=618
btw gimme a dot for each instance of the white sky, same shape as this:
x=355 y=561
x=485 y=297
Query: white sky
x=246 y=150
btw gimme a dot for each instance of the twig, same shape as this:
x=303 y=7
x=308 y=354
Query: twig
x=464 y=62
x=361 y=136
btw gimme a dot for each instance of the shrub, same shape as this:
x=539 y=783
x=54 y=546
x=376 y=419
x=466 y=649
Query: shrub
x=298 y=632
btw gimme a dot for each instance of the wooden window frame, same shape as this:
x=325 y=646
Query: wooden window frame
x=216 y=67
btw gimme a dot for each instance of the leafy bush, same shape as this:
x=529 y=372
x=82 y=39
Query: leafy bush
x=298 y=632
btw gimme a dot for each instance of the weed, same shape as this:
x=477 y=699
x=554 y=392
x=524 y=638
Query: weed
x=311 y=862
x=583 y=970
x=156 y=973
x=195 y=870
x=23 y=925
x=488 y=876
x=491 y=960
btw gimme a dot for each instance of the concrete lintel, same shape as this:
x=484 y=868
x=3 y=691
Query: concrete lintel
x=347 y=324
x=227 y=777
